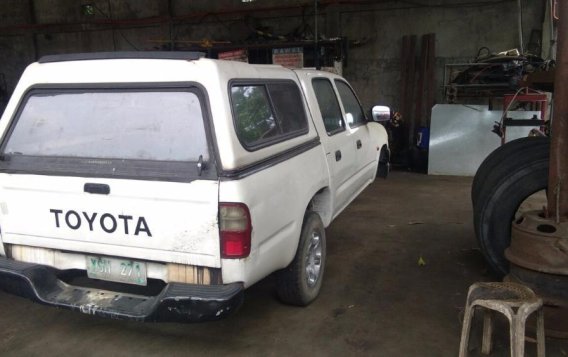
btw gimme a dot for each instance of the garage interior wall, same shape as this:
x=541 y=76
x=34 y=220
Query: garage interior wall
x=33 y=28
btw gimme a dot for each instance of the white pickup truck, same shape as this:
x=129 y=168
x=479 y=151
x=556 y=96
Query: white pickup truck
x=158 y=186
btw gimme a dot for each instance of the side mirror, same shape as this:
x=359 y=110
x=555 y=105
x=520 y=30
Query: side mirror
x=381 y=113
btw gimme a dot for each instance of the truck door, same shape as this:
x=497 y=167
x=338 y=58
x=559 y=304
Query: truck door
x=339 y=145
x=365 y=154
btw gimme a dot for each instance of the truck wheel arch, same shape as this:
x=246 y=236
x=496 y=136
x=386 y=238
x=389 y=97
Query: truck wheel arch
x=383 y=163
x=320 y=203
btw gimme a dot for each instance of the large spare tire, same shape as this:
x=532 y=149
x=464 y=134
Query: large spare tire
x=501 y=163
x=498 y=164
x=495 y=214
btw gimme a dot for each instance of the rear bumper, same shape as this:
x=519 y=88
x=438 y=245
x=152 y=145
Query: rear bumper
x=176 y=302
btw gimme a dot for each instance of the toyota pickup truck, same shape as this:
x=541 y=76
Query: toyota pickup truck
x=157 y=186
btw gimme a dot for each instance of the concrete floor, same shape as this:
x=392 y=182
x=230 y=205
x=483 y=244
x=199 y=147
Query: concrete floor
x=376 y=299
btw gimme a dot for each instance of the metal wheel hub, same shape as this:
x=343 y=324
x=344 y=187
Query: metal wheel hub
x=539 y=244
x=313 y=259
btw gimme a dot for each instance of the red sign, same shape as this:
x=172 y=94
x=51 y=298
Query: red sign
x=288 y=57
x=237 y=55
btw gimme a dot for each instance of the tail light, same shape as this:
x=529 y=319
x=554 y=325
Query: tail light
x=235 y=227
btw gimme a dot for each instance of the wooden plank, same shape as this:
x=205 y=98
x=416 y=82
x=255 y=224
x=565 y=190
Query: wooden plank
x=173 y=275
x=419 y=102
x=430 y=85
x=404 y=75
x=190 y=274
x=408 y=115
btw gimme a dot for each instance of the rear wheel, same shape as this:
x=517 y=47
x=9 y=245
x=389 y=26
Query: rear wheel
x=300 y=282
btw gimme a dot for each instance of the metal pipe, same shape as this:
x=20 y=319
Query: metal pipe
x=520 y=24
x=558 y=174
x=33 y=20
x=551 y=51
x=102 y=24
x=316 y=49
x=171 y=24
x=112 y=25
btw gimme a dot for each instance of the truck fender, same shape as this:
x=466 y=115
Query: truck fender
x=380 y=139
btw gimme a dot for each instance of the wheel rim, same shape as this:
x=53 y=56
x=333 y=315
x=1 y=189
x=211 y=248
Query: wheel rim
x=313 y=260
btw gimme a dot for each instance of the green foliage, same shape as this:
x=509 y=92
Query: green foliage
x=88 y=9
x=254 y=118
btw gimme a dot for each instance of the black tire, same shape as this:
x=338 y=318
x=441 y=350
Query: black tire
x=293 y=285
x=498 y=212
x=524 y=153
x=498 y=164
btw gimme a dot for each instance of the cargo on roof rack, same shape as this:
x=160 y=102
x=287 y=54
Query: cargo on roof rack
x=180 y=55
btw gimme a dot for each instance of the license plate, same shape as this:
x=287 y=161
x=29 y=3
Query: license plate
x=117 y=270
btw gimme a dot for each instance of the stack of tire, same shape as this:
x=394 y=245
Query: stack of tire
x=507 y=177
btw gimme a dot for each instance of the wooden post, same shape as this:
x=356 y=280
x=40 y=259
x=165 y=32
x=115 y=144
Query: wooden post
x=558 y=174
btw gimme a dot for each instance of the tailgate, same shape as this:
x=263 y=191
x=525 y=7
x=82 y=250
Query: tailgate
x=161 y=221
x=118 y=170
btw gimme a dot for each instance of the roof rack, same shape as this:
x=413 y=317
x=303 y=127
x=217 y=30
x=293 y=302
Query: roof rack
x=170 y=55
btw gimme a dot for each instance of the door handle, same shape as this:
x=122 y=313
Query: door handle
x=359 y=144
x=338 y=155
x=97 y=188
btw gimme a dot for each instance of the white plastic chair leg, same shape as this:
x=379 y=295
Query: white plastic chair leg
x=540 y=334
x=487 y=341
x=468 y=316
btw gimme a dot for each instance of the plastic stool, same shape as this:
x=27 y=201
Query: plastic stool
x=504 y=298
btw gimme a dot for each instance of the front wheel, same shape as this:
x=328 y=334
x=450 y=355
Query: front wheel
x=300 y=282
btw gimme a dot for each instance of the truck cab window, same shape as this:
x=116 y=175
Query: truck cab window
x=328 y=105
x=114 y=124
x=267 y=113
x=353 y=112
